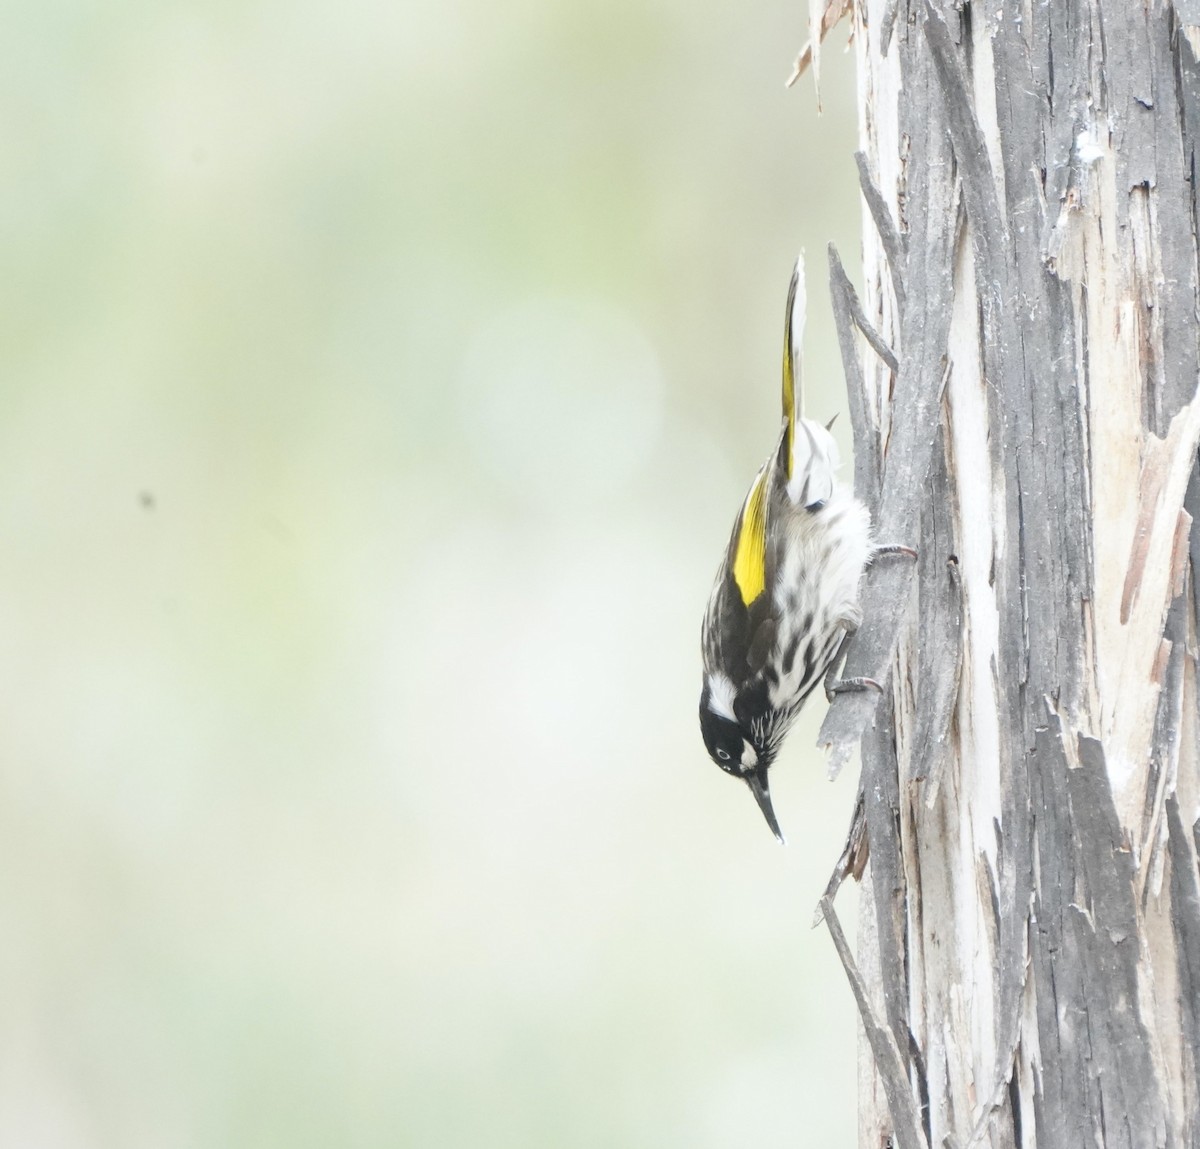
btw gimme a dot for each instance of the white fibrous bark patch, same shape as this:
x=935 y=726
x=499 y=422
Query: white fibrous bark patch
x=1027 y=393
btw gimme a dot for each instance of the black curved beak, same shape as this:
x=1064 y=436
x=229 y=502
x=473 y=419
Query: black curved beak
x=758 y=787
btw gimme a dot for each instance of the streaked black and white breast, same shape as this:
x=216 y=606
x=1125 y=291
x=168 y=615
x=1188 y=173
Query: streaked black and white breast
x=768 y=640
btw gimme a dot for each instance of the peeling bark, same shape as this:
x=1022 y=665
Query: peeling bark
x=1026 y=408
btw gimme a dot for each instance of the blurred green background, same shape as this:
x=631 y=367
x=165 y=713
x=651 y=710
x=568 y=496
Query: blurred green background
x=380 y=382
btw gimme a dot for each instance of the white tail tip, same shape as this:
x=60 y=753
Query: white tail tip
x=799 y=309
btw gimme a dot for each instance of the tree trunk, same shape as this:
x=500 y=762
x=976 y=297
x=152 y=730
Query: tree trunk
x=1030 y=927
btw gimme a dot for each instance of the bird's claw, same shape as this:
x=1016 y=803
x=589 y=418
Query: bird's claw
x=894 y=549
x=848 y=685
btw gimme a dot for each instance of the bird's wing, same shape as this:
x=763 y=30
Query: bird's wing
x=749 y=544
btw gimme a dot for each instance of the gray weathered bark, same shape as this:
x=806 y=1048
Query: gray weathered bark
x=1029 y=962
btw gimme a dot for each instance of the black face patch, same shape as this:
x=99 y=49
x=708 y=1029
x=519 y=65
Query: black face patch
x=722 y=738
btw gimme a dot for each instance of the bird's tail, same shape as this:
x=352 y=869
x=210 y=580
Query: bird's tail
x=793 y=383
x=810 y=453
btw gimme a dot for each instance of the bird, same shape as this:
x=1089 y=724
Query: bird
x=785 y=598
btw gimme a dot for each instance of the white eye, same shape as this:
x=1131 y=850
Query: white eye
x=723 y=755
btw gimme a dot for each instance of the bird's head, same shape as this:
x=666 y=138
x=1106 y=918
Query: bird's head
x=732 y=744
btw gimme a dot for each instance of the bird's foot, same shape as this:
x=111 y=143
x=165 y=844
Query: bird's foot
x=894 y=549
x=849 y=685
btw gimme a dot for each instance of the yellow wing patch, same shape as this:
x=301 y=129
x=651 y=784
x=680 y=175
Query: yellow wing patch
x=750 y=552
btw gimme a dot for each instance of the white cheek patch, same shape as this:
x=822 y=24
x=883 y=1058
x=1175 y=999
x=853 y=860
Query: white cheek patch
x=749 y=757
x=721 y=694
